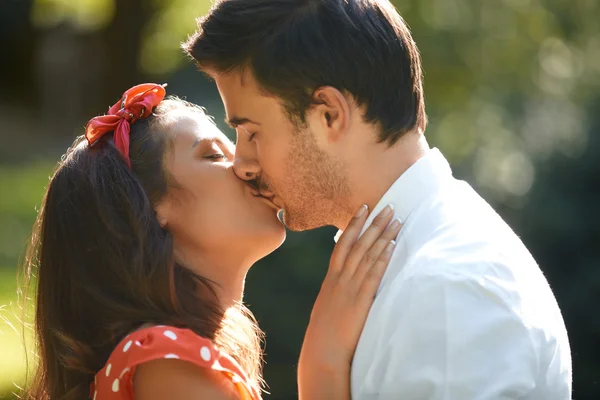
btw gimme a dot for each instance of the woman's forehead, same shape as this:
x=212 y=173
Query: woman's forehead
x=193 y=126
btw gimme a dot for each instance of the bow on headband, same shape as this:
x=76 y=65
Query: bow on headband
x=136 y=103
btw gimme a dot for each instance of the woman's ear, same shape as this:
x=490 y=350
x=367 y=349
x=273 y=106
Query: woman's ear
x=162 y=211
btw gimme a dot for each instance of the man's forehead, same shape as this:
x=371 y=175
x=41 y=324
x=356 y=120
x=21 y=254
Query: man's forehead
x=240 y=82
x=240 y=102
x=243 y=99
x=234 y=78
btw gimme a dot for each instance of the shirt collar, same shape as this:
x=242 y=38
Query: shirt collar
x=412 y=187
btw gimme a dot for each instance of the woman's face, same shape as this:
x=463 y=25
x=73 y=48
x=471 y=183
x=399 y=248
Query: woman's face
x=209 y=210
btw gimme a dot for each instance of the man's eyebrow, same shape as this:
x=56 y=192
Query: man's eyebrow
x=234 y=122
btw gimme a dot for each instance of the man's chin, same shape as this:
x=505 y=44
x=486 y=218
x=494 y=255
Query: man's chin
x=296 y=222
x=289 y=221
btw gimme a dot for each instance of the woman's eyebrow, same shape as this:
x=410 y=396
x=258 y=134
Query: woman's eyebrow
x=227 y=142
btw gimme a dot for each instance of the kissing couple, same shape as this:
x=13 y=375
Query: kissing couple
x=153 y=218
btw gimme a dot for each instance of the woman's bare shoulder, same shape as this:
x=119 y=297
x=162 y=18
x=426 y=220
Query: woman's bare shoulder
x=177 y=379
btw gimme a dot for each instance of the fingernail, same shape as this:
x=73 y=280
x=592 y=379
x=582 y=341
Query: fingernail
x=361 y=211
x=390 y=246
x=395 y=225
x=388 y=210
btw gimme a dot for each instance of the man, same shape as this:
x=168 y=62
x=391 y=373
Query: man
x=326 y=98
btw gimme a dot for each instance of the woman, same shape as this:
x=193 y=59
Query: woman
x=140 y=254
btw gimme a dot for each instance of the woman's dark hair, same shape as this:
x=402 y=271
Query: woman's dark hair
x=103 y=266
x=293 y=47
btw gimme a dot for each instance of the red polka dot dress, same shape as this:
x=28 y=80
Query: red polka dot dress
x=115 y=380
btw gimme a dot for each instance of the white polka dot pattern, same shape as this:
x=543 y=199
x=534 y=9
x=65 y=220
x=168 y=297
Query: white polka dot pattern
x=205 y=353
x=114 y=382
x=170 y=335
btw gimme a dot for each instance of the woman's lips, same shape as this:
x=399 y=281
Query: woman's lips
x=269 y=200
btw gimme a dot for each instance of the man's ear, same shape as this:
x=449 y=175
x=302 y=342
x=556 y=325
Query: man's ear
x=332 y=112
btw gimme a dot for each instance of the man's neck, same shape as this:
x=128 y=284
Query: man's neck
x=380 y=166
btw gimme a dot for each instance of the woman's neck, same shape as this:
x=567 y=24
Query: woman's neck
x=230 y=291
x=227 y=272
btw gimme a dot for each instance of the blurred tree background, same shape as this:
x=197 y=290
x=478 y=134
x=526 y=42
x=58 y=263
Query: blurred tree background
x=513 y=96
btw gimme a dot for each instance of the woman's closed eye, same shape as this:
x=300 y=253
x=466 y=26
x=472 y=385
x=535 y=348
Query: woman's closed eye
x=216 y=156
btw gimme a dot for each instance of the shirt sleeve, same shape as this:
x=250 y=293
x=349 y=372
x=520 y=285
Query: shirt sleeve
x=453 y=338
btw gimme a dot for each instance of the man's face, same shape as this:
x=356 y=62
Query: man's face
x=282 y=160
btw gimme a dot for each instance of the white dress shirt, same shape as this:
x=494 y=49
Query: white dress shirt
x=463 y=311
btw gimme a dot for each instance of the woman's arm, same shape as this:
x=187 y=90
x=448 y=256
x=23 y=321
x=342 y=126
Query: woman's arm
x=177 y=379
x=340 y=311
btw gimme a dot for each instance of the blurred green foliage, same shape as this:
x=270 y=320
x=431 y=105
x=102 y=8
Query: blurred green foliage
x=22 y=191
x=512 y=92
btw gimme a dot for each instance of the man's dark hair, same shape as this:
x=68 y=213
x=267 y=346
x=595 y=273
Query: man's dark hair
x=293 y=47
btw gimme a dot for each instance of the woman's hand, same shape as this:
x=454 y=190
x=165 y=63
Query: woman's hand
x=340 y=311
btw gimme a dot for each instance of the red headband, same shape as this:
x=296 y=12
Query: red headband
x=136 y=103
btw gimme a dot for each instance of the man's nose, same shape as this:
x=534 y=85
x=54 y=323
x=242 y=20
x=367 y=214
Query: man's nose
x=245 y=165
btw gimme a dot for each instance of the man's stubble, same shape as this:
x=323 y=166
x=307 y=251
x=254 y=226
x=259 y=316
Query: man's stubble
x=315 y=187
